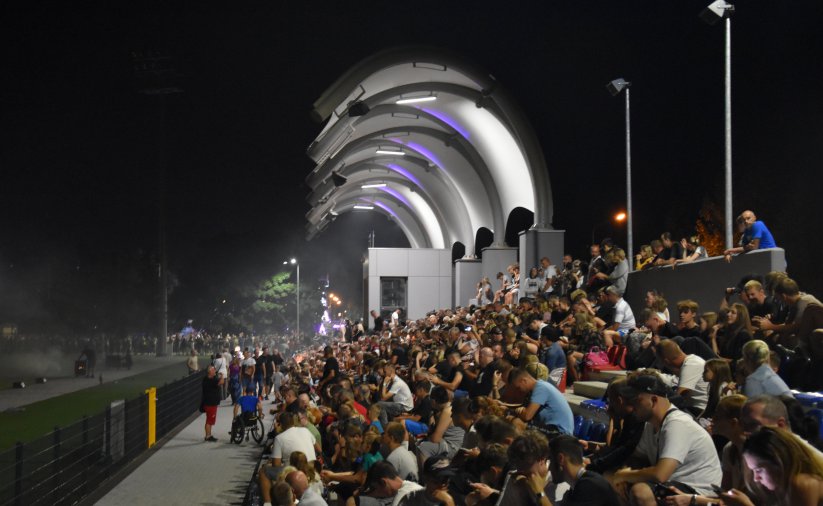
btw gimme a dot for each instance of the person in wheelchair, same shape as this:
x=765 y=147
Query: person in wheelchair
x=249 y=405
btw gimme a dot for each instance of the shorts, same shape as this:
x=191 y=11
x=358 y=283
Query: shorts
x=269 y=381
x=211 y=414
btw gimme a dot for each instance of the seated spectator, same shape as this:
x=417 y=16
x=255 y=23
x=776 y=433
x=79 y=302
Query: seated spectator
x=436 y=476
x=281 y=495
x=484 y=383
x=674 y=450
x=623 y=315
x=547 y=408
x=299 y=483
x=689 y=369
x=770 y=411
x=587 y=488
x=759 y=303
x=619 y=274
x=761 y=379
x=782 y=468
x=445 y=437
x=692 y=250
x=671 y=250
x=384 y=486
x=526 y=483
x=485 y=294
x=688 y=326
x=418 y=420
x=805 y=315
x=290 y=438
x=728 y=339
x=548 y=277
x=755 y=236
x=298 y=461
x=531 y=285
x=395 y=396
x=719 y=376
x=395 y=440
x=249 y=404
x=623 y=434
x=450 y=372
x=644 y=258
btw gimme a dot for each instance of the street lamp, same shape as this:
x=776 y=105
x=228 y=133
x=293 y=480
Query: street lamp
x=294 y=262
x=619 y=218
x=615 y=87
x=717 y=10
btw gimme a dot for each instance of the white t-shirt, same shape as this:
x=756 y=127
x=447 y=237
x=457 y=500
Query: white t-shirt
x=220 y=366
x=691 y=377
x=623 y=316
x=682 y=439
x=405 y=462
x=402 y=393
x=549 y=273
x=296 y=439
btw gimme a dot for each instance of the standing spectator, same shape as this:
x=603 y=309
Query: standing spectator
x=761 y=379
x=211 y=399
x=587 y=488
x=549 y=275
x=260 y=372
x=671 y=250
x=221 y=366
x=379 y=324
x=268 y=372
x=596 y=265
x=191 y=363
x=619 y=275
x=755 y=236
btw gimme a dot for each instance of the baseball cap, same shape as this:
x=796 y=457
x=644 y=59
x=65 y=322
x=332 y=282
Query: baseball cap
x=643 y=384
x=438 y=467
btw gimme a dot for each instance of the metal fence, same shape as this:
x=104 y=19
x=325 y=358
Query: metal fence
x=67 y=464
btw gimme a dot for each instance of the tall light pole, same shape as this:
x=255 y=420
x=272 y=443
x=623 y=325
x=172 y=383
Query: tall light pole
x=294 y=262
x=615 y=87
x=717 y=10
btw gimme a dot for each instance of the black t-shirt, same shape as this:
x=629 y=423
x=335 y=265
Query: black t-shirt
x=692 y=332
x=424 y=410
x=268 y=360
x=378 y=324
x=591 y=490
x=767 y=308
x=211 y=391
x=485 y=381
x=453 y=372
x=331 y=365
x=558 y=316
x=260 y=365
x=402 y=356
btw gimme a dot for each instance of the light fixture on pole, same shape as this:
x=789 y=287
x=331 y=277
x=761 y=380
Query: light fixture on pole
x=717 y=10
x=619 y=218
x=294 y=262
x=615 y=87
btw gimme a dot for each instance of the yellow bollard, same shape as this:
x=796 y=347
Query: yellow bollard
x=152 y=393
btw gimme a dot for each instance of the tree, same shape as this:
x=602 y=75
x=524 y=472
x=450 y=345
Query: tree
x=264 y=304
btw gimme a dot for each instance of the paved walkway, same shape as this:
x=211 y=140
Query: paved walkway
x=189 y=471
x=17 y=397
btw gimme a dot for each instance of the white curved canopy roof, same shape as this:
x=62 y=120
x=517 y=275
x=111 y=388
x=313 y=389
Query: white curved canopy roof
x=448 y=149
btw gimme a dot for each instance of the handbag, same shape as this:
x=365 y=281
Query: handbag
x=596 y=357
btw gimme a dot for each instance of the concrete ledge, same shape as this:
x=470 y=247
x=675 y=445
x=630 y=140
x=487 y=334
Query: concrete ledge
x=590 y=389
x=607 y=376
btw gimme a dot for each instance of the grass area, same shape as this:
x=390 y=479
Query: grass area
x=40 y=418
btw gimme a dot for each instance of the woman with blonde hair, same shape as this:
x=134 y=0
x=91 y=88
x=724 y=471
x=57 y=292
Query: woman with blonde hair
x=644 y=258
x=298 y=461
x=782 y=468
x=761 y=378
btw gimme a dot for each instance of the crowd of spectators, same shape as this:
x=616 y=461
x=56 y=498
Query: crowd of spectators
x=466 y=405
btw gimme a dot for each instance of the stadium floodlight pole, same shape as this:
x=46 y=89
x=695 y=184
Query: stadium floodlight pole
x=717 y=10
x=294 y=262
x=615 y=87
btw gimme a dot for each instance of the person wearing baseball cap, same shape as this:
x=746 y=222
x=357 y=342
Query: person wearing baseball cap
x=673 y=450
x=383 y=482
x=437 y=472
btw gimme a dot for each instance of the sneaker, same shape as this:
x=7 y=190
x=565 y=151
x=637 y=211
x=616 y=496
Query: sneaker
x=211 y=439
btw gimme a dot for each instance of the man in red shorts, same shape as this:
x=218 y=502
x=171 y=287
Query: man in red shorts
x=212 y=384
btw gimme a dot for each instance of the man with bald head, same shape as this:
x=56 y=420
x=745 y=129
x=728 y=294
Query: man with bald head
x=755 y=235
x=299 y=484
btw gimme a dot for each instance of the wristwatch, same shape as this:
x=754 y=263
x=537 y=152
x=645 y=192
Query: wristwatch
x=540 y=495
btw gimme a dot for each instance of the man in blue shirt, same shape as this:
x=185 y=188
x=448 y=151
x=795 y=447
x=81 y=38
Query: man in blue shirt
x=547 y=408
x=755 y=236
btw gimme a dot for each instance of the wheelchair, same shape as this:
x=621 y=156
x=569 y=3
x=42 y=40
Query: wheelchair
x=245 y=425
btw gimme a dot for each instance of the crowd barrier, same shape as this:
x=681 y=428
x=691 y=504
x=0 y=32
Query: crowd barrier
x=69 y=463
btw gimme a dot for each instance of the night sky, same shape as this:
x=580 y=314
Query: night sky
x=81 y=147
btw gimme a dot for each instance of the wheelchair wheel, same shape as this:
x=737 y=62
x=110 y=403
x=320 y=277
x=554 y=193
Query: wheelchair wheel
x=237 y=431
x=257 y=431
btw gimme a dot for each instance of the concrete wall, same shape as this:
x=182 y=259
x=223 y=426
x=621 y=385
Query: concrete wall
x=538 y=243
x=428 y=271
x=467 y=273
x=704 y=281
x=496 y=259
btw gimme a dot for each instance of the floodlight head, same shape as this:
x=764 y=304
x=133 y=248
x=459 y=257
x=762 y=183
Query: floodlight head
x=358 y=108
x=293 y=261
x=338 y=179
x=716 y=11
x=617 y=85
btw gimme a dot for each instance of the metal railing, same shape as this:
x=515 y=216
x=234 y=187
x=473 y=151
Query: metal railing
x=70 y=462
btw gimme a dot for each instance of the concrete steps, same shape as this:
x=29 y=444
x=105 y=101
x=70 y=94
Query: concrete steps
x=590 y=389
x=607 y=376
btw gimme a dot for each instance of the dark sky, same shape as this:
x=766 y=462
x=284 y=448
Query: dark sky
x=81 y=148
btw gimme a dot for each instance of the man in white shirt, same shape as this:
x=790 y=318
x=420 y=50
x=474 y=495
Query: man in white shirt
x=673 y=449
x=549 y=274
x=689 y=369
x=291 y=438
x=623 y=315
x=222 y=368
x=395 y=396
x=394 y=438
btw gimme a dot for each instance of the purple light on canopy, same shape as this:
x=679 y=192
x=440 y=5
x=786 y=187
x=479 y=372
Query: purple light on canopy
x=387 y=209
x=394 y=193
x=447 y=120
x=423 y=150
x=405 y=173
